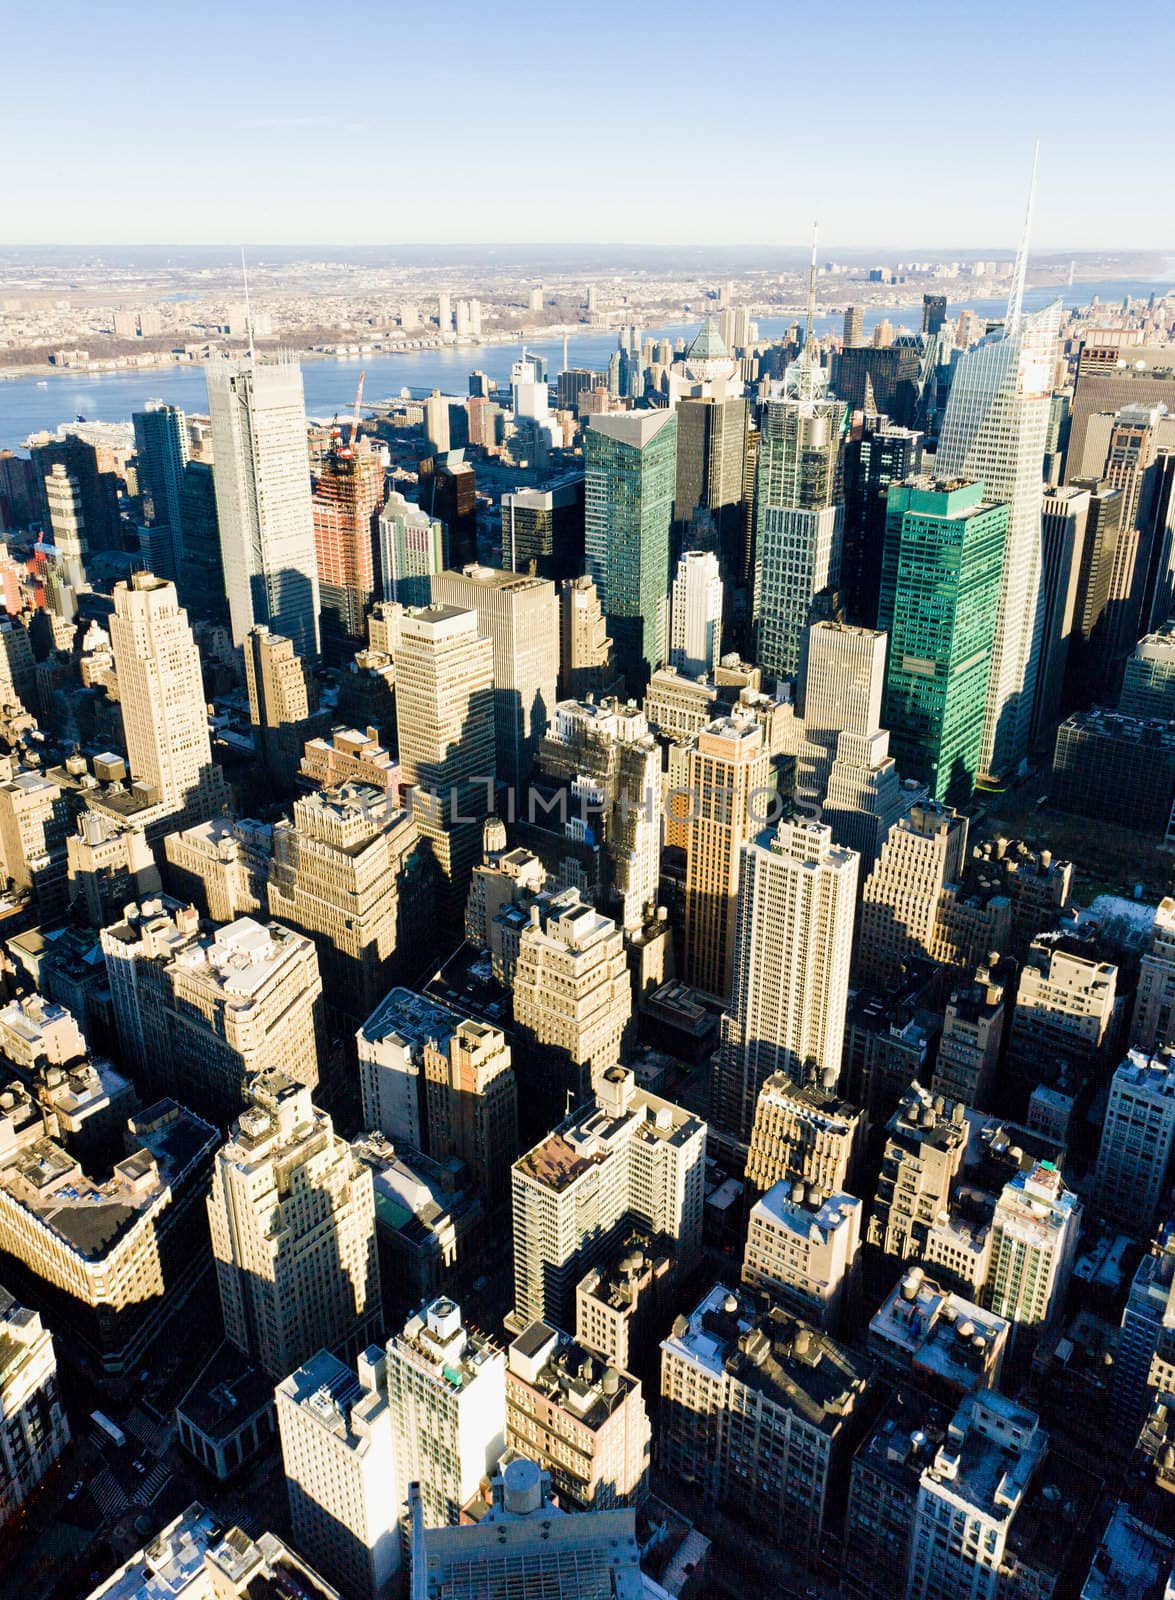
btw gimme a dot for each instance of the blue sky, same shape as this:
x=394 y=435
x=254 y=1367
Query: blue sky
x=898 y=125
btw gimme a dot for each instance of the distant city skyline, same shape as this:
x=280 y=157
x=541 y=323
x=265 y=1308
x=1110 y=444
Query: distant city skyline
x=692 y=131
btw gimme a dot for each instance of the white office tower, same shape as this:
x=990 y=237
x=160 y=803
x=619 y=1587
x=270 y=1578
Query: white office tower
x=573 y=991
x=695 y=640
x=263 y=501
x=793 y=949
x=161 y=692
x=530 y=394
x=843 y=682
x=1153 y=1023
x=292 y=1214
x=446 y=1388
x=865 y=796
x=995 y=429
x=1138 y=1137
x=338 y=1455
x=36 y=1429
x=1034 y=1233
x=629 y=1158
x=969 y=1498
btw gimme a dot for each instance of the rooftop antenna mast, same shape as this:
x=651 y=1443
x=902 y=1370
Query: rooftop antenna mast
x=804 y=378
x=248 y=309
x=811 y=292
x=1015 y=311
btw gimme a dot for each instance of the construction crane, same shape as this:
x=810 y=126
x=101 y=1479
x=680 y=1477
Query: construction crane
x=355 y=414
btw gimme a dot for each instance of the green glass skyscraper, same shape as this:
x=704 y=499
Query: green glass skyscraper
x=940 y=595
x=630 y=470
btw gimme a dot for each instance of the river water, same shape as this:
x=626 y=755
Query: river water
x=29 y=404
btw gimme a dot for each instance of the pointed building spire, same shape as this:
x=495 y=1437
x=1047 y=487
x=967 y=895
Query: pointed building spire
x=811 y=292
x=804 y=379
x=248 y=308
x=1015 y=310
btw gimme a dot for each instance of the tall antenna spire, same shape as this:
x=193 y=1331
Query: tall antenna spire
x=1016 y=293
x=811 y=291
x=248 y=309
x=804 y=379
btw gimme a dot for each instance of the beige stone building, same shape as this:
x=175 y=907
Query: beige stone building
x=520 y=616
x=581 y=1420
x=283 y=702
x=223 y=864
x=585 y=650
x=161 y=693
x=200 y=1012
x=344 y=872
x=727 y=765
x=804 y=1131
x=109 y=862
x=629 y=1159
x=926 y=1139
x=445 y=720
x=802 y=1248
x=572 y=993
x=292 y=1216
x=915 y=901
x=110 y=1259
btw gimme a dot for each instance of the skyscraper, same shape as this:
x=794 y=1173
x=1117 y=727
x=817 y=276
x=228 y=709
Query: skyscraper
x=883 y=454
x=585 y=649
x=161 y=688
x=283 y=702
x=447 y=1394
x=793 y=948
x=348 y=494
x=36 y=1429
x=199 y=1014
x=630 y=1157
x=727 y=764
x=696 y=634
x=161 y=444
x=940 y=597
x=995 y=431
x=844 y=672
x=345 y=870
x=630 y=470
x=520 y=617
x=413 y=546
x=1153 y=1023
x=201 y=583
x=339 y=1458
x=572 y=996
x=445 y=722
x=1064 y=517
x=1034 y=1232
x=292 y=1214
x=934 y=313
x=67 y=529
x=853 y=333
x=1138 y=1137
x=757 y=1411
x=263 y=498
x=924 y=854
x=799 y=516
